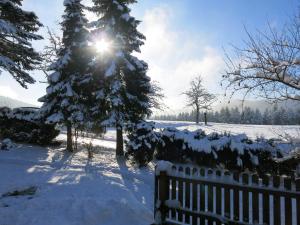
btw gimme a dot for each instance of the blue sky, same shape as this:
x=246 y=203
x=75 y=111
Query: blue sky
x=184 y=38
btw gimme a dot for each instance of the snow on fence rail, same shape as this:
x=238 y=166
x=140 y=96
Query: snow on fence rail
x=194 y=195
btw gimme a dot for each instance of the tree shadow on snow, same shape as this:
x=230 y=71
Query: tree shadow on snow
x=137 y=180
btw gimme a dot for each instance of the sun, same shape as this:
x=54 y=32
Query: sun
x=103 y=46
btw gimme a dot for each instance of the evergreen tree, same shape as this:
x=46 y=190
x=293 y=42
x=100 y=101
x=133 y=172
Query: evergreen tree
x=248 y=115
x=281 y=116
x=17 y=29
x=127 y=89
x=267 y=117
x=235 y=115
x=66 y=101
x=297 y=117
x=257 y=117
x=276 y=116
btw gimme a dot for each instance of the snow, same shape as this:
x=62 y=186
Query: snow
x=55 y=118
x=126 y=16
x=163 y=166
x=252 y=131
x=7 y=62
x=111 y=70
x=7 y=144
x=72 y=189
x=7 y=27
x=54 y=77
x=23 y=113
x=121 y=8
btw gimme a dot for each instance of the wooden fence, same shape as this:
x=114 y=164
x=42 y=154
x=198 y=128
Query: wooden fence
x=190 y=195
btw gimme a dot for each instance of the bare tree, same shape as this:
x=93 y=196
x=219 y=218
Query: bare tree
x=199 y=98
x=268 y=66
x=50 y=51
x=156 y=96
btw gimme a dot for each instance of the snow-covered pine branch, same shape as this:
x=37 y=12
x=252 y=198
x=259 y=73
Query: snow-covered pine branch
x=68 y=96
x=17 y=30
x=124 y=86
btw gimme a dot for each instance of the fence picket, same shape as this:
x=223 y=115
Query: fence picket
x=236 y=198
x=210 y=197
x=227 y=198
x=187 y=195
x=218 y=195
x=288 y=202
x=245 y=180
x=180 y=195
x=266 y=200
x=163 y=186
x=276 y=202
x=202 y=196
x=173 y=183
x=255 y=200
x=194 y=196
x=155 y=193
x=214 y=197
x=298 y=201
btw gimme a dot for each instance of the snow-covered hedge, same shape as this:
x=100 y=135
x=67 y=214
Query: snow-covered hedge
x=22 y=125
x=234 y=152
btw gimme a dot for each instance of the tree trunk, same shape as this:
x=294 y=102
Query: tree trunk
x=69 y=138
x=197 y=115
x=119 y=146
x=205 y=118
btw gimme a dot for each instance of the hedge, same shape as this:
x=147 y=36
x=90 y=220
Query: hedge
x=233 y=152
x=23 y=125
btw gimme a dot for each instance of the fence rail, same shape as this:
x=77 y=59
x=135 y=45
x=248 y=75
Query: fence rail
x=194 y=195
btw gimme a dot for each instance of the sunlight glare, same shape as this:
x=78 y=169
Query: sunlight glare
x=103 y=46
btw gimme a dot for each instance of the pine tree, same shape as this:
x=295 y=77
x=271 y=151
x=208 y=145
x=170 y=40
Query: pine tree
x=235 y=115
x=17 y=29
x=66 y=99
x=257 y=117
x=128 y=94
x=267 y=117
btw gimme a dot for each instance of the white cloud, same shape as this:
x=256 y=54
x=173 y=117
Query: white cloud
x=176 y=56
x=8 y=92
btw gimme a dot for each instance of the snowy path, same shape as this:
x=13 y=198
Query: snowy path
x=73 y=190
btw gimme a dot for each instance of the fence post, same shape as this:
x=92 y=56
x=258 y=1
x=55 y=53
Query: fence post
x=298 y=200
x=161 y=209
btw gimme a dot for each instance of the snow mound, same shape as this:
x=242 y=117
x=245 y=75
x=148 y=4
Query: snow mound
x=7 y=144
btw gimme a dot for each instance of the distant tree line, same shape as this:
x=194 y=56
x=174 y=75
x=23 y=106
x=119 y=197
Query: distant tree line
x=274 y=116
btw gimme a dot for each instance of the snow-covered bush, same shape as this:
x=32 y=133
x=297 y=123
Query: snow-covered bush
x=6 y=144
x=23 y=125
x=234 y=152
x=141 y=142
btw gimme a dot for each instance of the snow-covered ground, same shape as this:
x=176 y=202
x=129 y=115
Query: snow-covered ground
x=252 y=131
x=72 y=190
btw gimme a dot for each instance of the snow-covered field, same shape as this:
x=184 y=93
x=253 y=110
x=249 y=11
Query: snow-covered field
x=252 y=131
x=72 y=190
